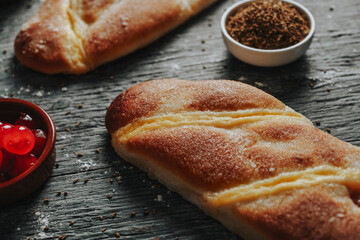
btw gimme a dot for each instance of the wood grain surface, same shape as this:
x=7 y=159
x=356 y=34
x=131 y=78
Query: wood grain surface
x=324 y=85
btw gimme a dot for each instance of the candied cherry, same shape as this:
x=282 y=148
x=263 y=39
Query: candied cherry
x=4 y=128
x=22 y=163
x=7 y=160
x=1 y=158
x=40 y=141
x=26 y=120
x=19 y=140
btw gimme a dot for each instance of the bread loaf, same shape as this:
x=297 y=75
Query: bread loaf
x=257 y=166
x=75 y=36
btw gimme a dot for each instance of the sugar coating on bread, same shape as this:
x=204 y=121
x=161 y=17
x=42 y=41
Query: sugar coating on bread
x=241 y=155
x=170 y=96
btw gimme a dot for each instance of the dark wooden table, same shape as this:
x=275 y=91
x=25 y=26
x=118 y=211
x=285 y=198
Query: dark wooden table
x=324 y=85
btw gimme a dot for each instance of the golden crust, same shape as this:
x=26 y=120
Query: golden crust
x=77 y=36
x=167 y=95
x=320 y=212
x=128 y=26
x=201 y=155
x=90 y=10
x=38 y=45
x=48 y=59
x=192 y=131
x=215 y=159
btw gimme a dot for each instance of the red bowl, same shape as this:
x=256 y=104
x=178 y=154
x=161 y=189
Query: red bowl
x=30 y=180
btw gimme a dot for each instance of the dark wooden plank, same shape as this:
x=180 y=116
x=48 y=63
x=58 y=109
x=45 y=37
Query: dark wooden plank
x=332 y=64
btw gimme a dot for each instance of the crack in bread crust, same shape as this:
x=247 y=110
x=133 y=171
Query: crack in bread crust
x=216 y=119
x=78 y=40
x=284 y=182
x=175 y=96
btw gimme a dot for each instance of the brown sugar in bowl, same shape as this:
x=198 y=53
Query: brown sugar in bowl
x=266 y=57
x=21 y=186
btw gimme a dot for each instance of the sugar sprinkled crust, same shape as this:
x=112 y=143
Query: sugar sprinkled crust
x=204 y=139
x=71 y=36
x=161 y=96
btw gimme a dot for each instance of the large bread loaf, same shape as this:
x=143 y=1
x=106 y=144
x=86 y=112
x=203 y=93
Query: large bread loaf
x=260 y=168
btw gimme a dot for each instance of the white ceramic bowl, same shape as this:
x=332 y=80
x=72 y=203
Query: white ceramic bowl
x=261 y=57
